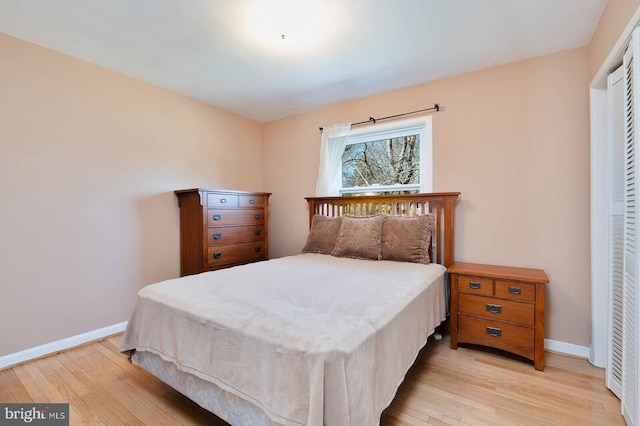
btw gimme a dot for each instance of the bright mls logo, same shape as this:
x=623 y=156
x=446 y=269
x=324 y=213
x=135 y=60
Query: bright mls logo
x=36 y=414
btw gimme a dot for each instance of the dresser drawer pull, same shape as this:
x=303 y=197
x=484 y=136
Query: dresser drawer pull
x=258 y=249
x=495 y=332
x=223 y=200
x=252 y=201
x=257 y=232
x=494 y=309
x=257 y=216
x=515 y=290
x=474 y=284
x=217 y=217
x=217 y=236
x=217 y=255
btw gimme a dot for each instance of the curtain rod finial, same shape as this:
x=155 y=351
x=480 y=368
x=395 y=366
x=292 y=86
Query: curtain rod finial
x=437 y=107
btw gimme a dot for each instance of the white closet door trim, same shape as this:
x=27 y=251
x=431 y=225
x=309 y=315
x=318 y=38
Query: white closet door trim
x=599 y=234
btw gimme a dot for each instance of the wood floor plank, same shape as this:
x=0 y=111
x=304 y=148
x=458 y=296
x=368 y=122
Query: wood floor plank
x=470 y=386
x=100 y=406
x=79 y=404
x=12 y=389
x=147 y=407
x=39 y=389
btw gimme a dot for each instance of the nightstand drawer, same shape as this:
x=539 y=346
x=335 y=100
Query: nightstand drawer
x=475 y=285
x=503 y=310
x=494 y=333
x=516 y=291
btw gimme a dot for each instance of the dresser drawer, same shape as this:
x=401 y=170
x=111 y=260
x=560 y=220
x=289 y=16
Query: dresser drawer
x=475 y=285
x=495 y=333
x=221 y=217
x=251 y=201
x=234 y=234
x=222 y=200
x=235 y=253
x=498 y=309
x=516 y=291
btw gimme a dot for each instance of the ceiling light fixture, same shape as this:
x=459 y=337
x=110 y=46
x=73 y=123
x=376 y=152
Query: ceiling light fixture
x=305 y=25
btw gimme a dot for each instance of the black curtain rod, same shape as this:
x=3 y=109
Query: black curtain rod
x=371 y=120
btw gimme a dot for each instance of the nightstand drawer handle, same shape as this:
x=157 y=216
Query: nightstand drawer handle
x=223 y=200
x=217 y=255
x=252 y=201
x=474 y=284
x=257 y=232
x=494 y=309
x=515 y=290
x=495 y=332
x=257 y=216
x=217 y=236
x=217 y=217
x=258 y=249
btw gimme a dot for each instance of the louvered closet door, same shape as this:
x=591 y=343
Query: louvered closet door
x=631 y=318
x=616 y=132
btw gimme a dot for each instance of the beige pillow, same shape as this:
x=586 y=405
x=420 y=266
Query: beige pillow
x=407 y=239
x=323 y=234
x=360 y=237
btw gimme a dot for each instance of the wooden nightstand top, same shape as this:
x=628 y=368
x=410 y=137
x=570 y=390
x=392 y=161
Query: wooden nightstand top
x=500 y=272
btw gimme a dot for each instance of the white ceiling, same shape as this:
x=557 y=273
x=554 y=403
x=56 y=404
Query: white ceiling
x=229 y=53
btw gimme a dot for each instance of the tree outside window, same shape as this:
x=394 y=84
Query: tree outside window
x=392 y=158
x=382 y=163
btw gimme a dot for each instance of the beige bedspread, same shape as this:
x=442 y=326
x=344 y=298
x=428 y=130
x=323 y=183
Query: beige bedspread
x=311 y=339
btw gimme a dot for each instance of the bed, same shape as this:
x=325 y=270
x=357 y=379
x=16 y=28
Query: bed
x=323 y=337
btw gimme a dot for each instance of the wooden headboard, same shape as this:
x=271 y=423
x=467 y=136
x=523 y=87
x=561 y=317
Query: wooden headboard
x=441 y=204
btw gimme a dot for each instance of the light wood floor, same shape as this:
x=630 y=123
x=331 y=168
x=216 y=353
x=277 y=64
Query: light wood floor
x=444 y=387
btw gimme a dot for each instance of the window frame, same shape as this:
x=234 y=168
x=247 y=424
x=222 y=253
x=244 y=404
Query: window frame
x=422 y=126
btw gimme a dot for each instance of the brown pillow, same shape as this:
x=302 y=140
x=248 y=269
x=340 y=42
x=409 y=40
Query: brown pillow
x=360 y=237
x=407 y=239
x=323 y=234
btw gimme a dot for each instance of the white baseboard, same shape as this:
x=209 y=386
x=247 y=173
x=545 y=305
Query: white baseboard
x=60 y=345
x=566 y=348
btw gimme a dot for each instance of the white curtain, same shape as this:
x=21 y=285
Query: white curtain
x=334 y=140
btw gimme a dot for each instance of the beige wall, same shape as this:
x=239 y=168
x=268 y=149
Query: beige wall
x=513 y=139
x=88 y=162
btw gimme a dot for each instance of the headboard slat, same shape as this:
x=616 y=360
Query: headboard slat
x=441 y=204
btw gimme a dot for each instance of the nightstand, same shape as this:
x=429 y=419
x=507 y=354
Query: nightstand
x=499 y=306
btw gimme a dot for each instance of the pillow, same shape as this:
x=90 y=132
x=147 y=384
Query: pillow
x=360 y=237
x=323 y=234
x=407 y=239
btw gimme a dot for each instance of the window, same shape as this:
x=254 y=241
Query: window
x=393 y=158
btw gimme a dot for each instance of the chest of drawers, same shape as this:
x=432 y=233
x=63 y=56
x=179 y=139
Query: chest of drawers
x=221 y=228
x=500 y=307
